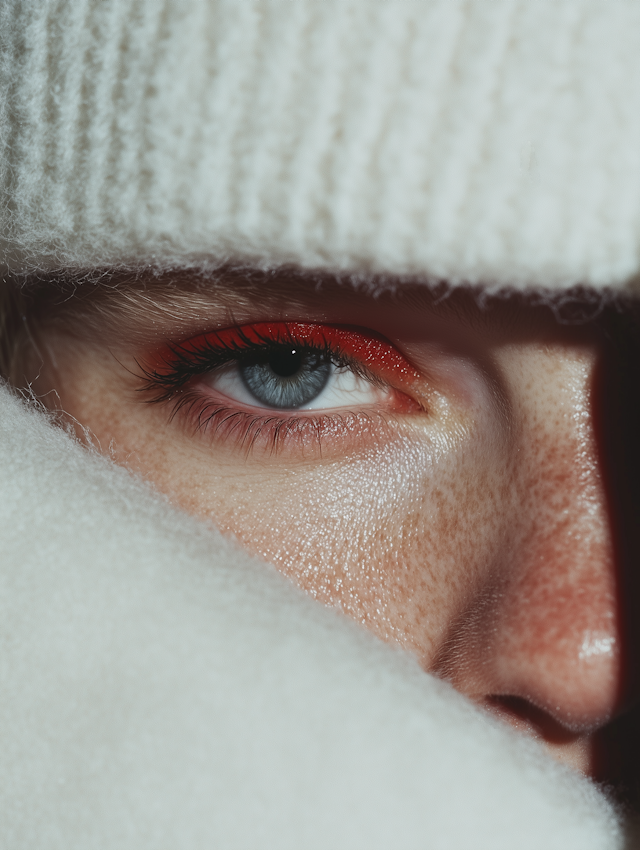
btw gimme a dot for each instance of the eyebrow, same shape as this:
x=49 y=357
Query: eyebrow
x=114 y=300
x=127 y=291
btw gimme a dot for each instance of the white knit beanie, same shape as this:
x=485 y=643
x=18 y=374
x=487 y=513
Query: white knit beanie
x=493 y=142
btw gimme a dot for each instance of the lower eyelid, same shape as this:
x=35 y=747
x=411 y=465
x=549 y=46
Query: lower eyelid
x=309 y=434
x=396 y=404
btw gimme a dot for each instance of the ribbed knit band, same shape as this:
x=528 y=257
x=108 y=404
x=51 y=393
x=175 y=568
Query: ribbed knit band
x=491 y=141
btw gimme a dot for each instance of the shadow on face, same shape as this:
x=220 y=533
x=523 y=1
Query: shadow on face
x=462 y=478
x=617 y=411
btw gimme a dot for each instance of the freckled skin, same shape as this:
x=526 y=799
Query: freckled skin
x=523 y=638
x=475 y=534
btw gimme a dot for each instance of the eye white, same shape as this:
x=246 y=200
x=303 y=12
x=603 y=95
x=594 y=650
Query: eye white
x=343 y=389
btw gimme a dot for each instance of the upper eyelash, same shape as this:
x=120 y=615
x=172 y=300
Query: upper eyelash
x=179 y=364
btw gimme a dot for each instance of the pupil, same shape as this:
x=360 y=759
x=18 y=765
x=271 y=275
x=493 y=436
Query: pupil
x=285 y=363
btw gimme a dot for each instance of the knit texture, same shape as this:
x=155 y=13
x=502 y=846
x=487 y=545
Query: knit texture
x=495 y=143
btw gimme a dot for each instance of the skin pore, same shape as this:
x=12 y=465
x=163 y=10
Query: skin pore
x=449 y=492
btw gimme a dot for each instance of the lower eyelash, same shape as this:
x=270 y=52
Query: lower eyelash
x=249 y=432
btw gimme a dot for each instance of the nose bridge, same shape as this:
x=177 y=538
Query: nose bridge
x=546 y=629
x=555 y=636
x=565 y=535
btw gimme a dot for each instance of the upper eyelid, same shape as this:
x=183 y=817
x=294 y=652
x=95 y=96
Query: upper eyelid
x=369 y=354
x=357 y=346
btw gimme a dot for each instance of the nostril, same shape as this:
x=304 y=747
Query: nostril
x=531 y=720
x=577 y=750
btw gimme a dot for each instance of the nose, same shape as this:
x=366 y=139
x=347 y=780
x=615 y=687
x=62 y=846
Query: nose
x=541 y=635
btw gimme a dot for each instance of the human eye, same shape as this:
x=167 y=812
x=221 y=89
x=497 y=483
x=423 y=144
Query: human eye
x=272 y=382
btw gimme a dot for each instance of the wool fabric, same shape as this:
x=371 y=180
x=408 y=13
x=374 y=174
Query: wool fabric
x=493 y=143
x=161 y=689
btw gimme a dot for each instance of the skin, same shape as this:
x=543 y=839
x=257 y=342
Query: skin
x=474 y=530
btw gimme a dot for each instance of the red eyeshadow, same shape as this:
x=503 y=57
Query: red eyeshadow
x=374 y=352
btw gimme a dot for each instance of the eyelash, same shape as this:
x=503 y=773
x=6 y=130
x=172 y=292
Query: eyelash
x=169 y=374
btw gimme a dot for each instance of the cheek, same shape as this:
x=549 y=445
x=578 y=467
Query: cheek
x=397 y=537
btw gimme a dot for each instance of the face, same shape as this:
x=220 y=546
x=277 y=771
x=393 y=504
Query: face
x=432 y=468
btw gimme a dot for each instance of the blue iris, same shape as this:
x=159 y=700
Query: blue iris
x=287 y=377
